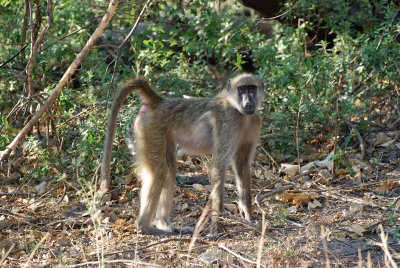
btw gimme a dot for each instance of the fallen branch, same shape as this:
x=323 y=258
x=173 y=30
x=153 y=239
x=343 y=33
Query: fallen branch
x=64 y=80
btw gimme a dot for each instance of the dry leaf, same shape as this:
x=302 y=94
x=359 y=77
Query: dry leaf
x=298 y=199
x=184 y=206
x=385 y=187
x=326 y=175
x=314 y=204
x=290 y=170
x=388 y=143
x=189 y=194
x=381 y=138
x=199 y=187
x=307 y=167
x=231 y=208
x=356 y=228
x=398 y=145
x=327 y=162
x=41 y=187
x=355 y=207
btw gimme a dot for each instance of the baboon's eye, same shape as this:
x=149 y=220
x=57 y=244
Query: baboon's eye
x=247 y=88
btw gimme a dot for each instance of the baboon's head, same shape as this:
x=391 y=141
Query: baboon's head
x=245 y=93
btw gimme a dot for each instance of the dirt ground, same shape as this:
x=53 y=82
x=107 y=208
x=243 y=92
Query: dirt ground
x=317 y=219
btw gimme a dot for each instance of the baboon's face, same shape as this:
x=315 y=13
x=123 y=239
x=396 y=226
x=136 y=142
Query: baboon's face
x=247 y=95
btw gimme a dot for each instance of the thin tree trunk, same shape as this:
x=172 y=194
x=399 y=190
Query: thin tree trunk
x=64 y=80
x=38 y=42
x=24 y=30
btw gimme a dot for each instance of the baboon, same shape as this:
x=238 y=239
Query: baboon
x=226 y=126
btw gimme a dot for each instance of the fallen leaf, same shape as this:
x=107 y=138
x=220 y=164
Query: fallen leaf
x=327 y=162
x=356 y=228
x=41 y=187
x=307 y=167
x=290 y=170
x=292 y=209
x=298 y=199
x=355 y=207
x=385 y=187
x=381 y=138
x=199 y=187
x=184 y=206
x=189 y=194
x=325 y=175
x=387 y=144
x=232 y=208
x=314 y=204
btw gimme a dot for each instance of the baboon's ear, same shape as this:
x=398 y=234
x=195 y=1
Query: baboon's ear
x=229 y=84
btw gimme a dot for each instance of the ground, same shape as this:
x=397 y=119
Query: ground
x=351 y=219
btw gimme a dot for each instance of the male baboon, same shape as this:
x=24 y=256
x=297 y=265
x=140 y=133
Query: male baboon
x=226 y=126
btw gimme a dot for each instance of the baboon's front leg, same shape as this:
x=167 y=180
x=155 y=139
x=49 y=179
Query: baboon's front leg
x=241 y=167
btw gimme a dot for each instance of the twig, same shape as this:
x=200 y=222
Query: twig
x=385 y=247
x=146 y=264
x=64 y=80
x=359 y=137
x=261 y=245
x=236 y=254
x=14 y=56
x=270 y=157
x=351 y=199
x=200 y=225
x=283 y=14
x=324 y=235
x=118 y=50
x=35 y=249
x=261 y=198
x=7 y=253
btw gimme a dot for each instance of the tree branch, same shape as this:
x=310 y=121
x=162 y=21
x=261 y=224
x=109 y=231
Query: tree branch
x=64 y=80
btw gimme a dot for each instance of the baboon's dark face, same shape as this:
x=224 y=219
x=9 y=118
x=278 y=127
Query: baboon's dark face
x=247 y=95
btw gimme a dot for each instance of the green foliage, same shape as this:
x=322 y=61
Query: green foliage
x=192 y=50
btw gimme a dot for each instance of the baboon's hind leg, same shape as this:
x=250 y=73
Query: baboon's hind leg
x=153 y=169
x=164 y=208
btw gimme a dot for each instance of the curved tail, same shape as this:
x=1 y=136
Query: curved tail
x=148 y=96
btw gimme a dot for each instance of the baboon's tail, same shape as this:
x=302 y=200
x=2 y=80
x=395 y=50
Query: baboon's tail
x=149 y=97
x=141 y=86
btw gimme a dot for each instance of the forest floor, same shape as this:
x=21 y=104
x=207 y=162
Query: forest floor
x=351 y=219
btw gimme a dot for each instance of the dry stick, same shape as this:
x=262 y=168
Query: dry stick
x=336 y=129
x=236 y=254
x=64 y=80
x=35 y=249
x=105 y=164
x=260 y=247
x=7 y=253
x=297 y=133
x=200 y=225
x=14 y=56
x=359 y=137
x=324 y=235
x=385 y=247
x=123 y=261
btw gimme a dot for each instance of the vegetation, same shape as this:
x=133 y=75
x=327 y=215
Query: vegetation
x=333 y=84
